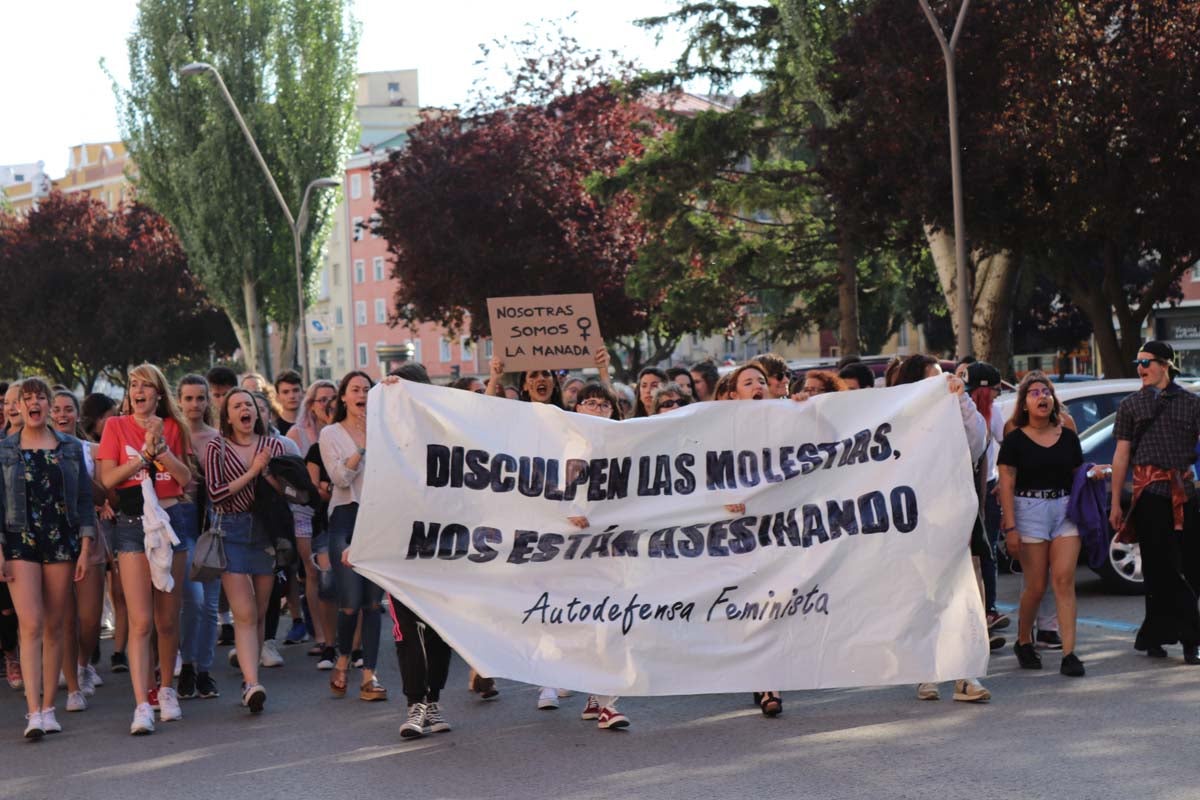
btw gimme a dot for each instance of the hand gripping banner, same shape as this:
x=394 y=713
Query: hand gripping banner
x=848 y=567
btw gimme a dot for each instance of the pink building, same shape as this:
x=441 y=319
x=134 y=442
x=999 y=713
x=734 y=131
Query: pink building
x=378 y=347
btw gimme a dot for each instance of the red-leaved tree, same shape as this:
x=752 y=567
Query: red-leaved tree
x=88 y=290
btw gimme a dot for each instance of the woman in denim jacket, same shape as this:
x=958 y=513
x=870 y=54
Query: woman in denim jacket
x=47 y=529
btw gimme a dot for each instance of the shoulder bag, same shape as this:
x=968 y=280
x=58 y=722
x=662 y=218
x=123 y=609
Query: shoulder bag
x=209 y=562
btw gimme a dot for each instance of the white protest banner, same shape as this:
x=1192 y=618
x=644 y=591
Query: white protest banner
x=550 y=331
x=849 y=566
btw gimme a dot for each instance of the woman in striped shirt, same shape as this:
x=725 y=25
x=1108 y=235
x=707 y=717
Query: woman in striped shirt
x=233 y=463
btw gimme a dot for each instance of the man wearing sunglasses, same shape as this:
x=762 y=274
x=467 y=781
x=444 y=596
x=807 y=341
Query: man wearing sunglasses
x=1156 y=430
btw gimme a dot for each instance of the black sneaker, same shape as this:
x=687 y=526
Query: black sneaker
x=206 y=687
x=186 y=685
x=1072 y=667
x=1191 y=654
x=996 y=642
x=1027 y=657
x=118 y=662
x=1049 y=640
x=1156 y=651
x=226 y=637
x=356 y=658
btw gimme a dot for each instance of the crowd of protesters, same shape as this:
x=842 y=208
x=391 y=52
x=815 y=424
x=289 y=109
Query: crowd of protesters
x=107 y=505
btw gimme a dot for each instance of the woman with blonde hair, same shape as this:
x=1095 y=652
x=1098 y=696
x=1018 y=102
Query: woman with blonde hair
x=152 y=442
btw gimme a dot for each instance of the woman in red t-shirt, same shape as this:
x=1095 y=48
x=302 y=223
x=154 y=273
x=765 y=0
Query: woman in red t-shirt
x=151 y=439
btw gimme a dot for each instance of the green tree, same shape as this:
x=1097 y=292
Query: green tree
x=289 y=65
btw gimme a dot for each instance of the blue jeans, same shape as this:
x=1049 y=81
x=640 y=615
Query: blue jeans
x=354 y=592
x=198 y=620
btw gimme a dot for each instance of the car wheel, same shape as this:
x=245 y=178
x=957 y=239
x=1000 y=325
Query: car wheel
x=1122 y=568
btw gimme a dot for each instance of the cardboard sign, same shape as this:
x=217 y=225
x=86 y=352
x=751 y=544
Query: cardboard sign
x=550 y=331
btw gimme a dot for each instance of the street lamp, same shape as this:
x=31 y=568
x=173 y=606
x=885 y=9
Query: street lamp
x=296 y=224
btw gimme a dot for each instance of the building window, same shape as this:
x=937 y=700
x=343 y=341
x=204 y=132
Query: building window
x=341 y=351
x=355 y=186
x=902 y=335
x=337 y=274
x=362 y=355
x=339 y=318
x=466 y=349
x=371 y=186
x=1196 y=272
x=393 y=86
x=443 y=350
x=380 y=310
x=487 y=349
x=360 y=271
x=416 y=349
x=377 y=267
x=323 y=357
x=357 y=233
x=360 y=312
x=373 y=223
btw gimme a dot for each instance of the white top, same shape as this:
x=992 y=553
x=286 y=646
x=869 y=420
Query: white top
x=996 y=426
x=336 y=448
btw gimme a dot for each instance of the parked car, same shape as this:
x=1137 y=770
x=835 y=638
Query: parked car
x=1122 y=569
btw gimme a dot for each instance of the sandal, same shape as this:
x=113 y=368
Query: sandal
x=337 y=682
x=771 y=704
x=372 y=690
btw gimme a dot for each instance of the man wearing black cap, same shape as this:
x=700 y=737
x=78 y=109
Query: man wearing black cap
x=1156 y=431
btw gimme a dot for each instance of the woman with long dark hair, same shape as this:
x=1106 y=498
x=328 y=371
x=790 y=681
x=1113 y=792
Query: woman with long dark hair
x=704 y=380
x=343 y=452
x=81 y=629
x=648 y=380
x=233 y=463
x=151 y=442
x=46 y=542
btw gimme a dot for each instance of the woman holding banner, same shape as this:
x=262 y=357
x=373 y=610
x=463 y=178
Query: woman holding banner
x=595 y=400
x=911 y=370
x=343 y=446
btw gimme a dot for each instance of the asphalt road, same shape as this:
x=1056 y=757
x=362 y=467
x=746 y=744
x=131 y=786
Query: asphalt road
x=1129 y=729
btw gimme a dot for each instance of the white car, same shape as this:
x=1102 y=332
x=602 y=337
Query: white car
x=1087 y=402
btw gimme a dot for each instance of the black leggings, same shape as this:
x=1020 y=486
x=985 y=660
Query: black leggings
x=8 y=621
x=423 y=655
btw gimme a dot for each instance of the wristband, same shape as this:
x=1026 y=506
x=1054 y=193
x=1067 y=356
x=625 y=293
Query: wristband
x=1008 y=529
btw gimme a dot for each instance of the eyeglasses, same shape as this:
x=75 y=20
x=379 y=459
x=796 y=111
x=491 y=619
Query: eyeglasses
x=1040 y=393
x=1145 y=363
x=597 y=405
x=480 y=391
x=668 y=404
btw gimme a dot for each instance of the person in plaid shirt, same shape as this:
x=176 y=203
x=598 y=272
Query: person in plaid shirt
x=1156 y=430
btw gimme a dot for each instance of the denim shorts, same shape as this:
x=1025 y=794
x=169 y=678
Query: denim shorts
x=129 y=537
x=246 y=546
x=302 y=517
x=1043 y=520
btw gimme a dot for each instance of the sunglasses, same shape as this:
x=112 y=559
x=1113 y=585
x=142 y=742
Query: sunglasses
x=668 y=404
x=1145 y=363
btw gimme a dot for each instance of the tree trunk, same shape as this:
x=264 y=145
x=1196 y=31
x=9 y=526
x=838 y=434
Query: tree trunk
x=941 y=247
x=847 y=300
x=287 y=349
x=250 y=338
x=991 y=325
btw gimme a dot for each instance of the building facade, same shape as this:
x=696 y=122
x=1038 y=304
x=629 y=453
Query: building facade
x=97 y=169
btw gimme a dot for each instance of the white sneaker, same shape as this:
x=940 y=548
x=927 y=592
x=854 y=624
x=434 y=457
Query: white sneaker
x=49 y=723
x=33 y=726
x=969 y=690
x=168 y=705
x=178 y=663
x=86 y=686
x=143 y=720
x=270 y=655
x=62 y=680
x=928 y=691
x=564 y=693
x=95 y=676
x=76 y=702
x=548 y=698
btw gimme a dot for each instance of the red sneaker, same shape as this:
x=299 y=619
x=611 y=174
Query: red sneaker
x=612 y=719
x=592 y=709
x=152 y=698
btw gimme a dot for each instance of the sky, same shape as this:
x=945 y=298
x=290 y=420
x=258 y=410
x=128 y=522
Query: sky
x=54 y=93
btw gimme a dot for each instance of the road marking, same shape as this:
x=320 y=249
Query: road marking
x=1111 y=624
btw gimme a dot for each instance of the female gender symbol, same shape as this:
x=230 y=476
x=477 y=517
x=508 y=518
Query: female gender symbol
x=583 y=329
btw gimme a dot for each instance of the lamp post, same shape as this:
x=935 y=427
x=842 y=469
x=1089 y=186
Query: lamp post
x=297 y=224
